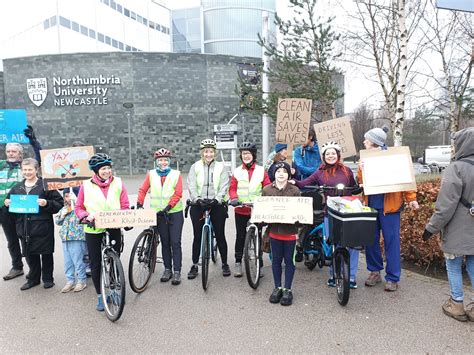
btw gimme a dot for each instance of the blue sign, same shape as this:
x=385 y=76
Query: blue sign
x=24 y=204
x=12 y=124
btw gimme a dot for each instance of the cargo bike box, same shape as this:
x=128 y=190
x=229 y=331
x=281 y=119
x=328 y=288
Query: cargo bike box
x=352 y=229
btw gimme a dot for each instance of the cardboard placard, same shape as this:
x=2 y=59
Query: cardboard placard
x=282 y=209
x=338 y=130
x=388 y=170
x=12 y=124
x=65 y=167
x=125 y=218
x=24 y=204
x=293 y=119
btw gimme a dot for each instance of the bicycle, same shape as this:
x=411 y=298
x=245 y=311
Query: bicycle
x=208 y=241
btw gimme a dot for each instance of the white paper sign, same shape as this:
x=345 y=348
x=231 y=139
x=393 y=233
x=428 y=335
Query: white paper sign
x=282 y=209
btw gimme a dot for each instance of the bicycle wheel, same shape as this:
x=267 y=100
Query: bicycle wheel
x=206 y=255
x=112 y=285
x=142 y=261
x=214 y=248
x=341 y=275
x=252 y=247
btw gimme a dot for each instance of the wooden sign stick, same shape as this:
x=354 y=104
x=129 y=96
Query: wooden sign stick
x=289 y=149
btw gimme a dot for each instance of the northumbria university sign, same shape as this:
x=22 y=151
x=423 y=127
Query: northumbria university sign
x=73 y=91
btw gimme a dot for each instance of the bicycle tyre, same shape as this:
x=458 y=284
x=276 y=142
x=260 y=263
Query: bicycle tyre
x=142 y=261
x=205 y=253
x=252 y=248
x=341 y=274
x=112 y=285
x=214 y=248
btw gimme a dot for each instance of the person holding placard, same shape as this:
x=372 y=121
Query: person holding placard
x=166 y=187
x=10 y=175
x=246 y=183
x=36 y=230
x=331 y=173
x=389 y=206
x=306 y=157
x=103 y=192
x=207 y=180
x=282 y=237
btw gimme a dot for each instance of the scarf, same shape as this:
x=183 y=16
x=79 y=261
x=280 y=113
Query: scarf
x=163 y=172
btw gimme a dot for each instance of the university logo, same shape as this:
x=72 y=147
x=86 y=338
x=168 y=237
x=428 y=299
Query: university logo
x=37 y=90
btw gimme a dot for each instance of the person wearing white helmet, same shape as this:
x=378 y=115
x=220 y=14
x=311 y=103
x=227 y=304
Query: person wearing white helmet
x=208 y=181
x=331 y=173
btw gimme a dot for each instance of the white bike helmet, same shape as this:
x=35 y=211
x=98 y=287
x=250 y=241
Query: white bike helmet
x=328 y=145
x=208 y=143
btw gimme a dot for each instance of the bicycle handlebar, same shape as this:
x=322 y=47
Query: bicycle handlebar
x=205 y=203
x=355 y=189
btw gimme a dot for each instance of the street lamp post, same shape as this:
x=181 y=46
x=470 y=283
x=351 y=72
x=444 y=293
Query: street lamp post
x=128 y=106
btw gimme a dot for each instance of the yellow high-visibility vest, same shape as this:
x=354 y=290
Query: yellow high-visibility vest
x=248 y=190
x=161 y=194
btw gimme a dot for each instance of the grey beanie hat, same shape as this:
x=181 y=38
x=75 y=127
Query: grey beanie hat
x=377 y=136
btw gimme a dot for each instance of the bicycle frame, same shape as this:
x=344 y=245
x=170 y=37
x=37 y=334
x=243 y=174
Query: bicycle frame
x=208 y=223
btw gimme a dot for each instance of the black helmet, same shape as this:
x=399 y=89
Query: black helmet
x=251 y=147
x=99 y=160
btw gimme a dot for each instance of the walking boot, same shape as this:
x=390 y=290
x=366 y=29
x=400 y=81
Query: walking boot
x=373 y=279
x=166 y=276
x=176 y=278
x=13 y=273
x=193 y=272
x=455 y=310
x=470 y=311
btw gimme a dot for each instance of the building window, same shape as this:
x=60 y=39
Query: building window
x=46 y=24
x=65 y=22
x=151 y=25
x=100 y=37
x=120 y=44
x=126 y=12
x=114 y=43
x=139 y=19
x=145 y=21
x=106 y=2
x=91 y=33
x=52 y=21
x=84 y=30
x=113 y=4
x=107 y=40
x=128 y=48
x=75 y=26
x=158 y=27
x=119 y=8
x=133 y=15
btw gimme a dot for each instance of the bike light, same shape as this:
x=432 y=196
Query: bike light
x=340 y=186
x=112 y=242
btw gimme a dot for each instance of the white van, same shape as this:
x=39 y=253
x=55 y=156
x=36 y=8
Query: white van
x=437 y=156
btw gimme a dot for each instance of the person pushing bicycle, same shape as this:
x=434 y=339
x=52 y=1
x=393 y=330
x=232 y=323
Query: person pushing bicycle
x=166 y=190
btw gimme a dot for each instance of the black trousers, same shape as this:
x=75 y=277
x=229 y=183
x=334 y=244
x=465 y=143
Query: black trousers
x=218 y=217
x=41 y=267
x=170 y=236
x=241 y=230
x=94 y=246
x=13 y=241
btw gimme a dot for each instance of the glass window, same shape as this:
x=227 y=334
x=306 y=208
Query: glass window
x=100 y=37
x=133 y=15
x=46 y=24
x=164 y=29
x=114 y=43
x=84 y=30
x=120 y=44
x=145 y=21
x=52 y=21
x=134 y=49
x=157 y=27
x=180 y=25
x=75 y=26
x=113 y=4
x=107 y=40
x=139 y=19
x=128 y=48
x=91 y=33
x=151 y=25
x=126 y=12
x=64 y=22
x=179 y=46
x=106 y=2
x=119 y=8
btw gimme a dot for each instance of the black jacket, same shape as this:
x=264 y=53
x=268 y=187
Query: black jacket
x=39 y=228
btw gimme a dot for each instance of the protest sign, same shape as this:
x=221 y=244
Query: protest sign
x=388 y=170
x=23 y=204
x=125 y=218
x=65 y=167
x=338 y=130
x=282 y=209
x=12 y=124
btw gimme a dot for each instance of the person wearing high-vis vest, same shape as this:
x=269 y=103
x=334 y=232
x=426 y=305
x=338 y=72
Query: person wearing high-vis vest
x=246 y=183
x=166 y=190
x=103 y=192
x=207 y=180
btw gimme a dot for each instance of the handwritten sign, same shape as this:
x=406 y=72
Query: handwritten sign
x=23 y=204
x=125 y=218
x=388 y=170
x=282 y=209
x=66 y=167
x=12 y=124
x=293 y=119
x=338 y=130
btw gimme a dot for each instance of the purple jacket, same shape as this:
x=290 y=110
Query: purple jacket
x=320 y=178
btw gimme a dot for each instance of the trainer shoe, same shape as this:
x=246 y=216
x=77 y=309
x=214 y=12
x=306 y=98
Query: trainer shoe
x=287 y=298
x=353 y=285
x=276 y=295
x=225 y=270
x=391 y=286
x=193 y=272
x=470 y=311
x=68 y=287
x=331 y=282
x=238 y=270
x=455 y=310
x=100 y=304
x=176 y=278
x=166 y=276
x=48 y=284
x=80 y=286
x=12 y=274
x=373 y=279
x=28 y=285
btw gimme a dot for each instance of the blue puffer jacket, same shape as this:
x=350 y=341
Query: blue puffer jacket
x=307 y=161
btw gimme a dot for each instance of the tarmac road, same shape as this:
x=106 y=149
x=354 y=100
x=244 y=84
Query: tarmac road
x=230 y=317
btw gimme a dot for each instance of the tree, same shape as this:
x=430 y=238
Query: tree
x=301 y=65
x=362 y=120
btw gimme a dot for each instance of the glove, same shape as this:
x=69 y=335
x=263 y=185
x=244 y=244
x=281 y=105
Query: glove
x=427 y=235
x=214 y=202
x=167 y=209
x=91 y=224
x=234 y=202
x=139 y=206
x=128 y=228
x=28 y=131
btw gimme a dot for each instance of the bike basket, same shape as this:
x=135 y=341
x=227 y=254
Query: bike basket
x=352 y=229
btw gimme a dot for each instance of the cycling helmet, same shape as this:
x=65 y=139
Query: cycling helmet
x=251 y=147
x=331 y=144
x=99 y=160
x=162 y=153
x=208 y=143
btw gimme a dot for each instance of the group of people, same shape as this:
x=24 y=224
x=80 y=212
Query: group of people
x=210 y=185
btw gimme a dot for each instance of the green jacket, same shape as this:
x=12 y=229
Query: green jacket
x=10 y=175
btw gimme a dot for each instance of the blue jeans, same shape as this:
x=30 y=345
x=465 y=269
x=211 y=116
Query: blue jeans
x=283 y=250
x=74 y=251
x=454 y=269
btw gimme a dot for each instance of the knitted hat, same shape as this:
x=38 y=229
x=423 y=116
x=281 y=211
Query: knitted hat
x=279 y=147
x=284 y=165
x=377 y=136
